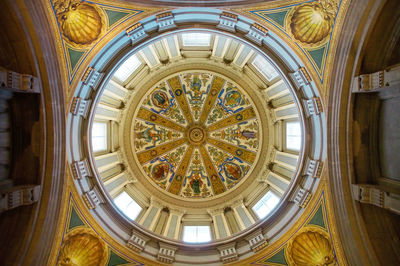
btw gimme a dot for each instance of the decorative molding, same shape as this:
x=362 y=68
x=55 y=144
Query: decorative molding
x=256 y=240
x=371 y=194
x=165 y=21
x=227 y=21
x=257 y=33
x=313 y=168
x=154 y=202
x=228 y=252
x=18 y=82
x=301 y=77
x=92 y=198
x=80 y=169
x=80 y=107
x=313 y=106
x=137 y=242
x=301 y=197
x=92 y=78
x=216 y=211
x=377 y=80
x=263 y=178
x=238 y=202
x=136 y=32
x=19 y=196
x=166 y=253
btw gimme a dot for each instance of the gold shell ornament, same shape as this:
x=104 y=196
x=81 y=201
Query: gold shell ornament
x=81 y=23
x=311 y=23
x=82 y=247
x=311 y=246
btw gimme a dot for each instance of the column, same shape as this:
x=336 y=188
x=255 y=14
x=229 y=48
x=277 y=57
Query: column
x=285 y=159
x=107 y=113
x=242 y=214
x=278 y=182
x=221 y=226
x=173 y=223
x=115 y=183
x=285 y=112
x=107 y=161
x=151 y=215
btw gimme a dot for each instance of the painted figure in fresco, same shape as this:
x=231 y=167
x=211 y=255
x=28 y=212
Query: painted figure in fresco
x=160 y=99
x=248 y=134
x=160 y=171
x=151 y=135
x=196 y=183
x=232 y=99
x=232 y=171
x=194 y=94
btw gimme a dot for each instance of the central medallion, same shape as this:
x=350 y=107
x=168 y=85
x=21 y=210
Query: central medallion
x=196 y=134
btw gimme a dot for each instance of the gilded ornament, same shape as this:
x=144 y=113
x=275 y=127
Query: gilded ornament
x=312 y=23
x=83 y=247
x=312 y=246
x=81 y=23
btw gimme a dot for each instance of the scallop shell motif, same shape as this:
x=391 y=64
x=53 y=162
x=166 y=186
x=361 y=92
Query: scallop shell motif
x=311 y=247
x=311 y=23
x=81 y=23
x=83 y=247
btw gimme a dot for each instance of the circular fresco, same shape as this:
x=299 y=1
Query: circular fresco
x=196 y=135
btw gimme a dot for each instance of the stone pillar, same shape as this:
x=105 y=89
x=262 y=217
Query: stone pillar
x=221 y=226
x=277 y=181
x=242 y=214
x=284 y=112
x=150 y=217
x=276 y=90
x=173 y=223
x=107 y=113
x=107 y=161
x=285 y=159
x=115 y=183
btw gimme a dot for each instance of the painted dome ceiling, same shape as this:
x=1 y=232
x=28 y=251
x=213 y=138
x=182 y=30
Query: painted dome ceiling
x=196 y=134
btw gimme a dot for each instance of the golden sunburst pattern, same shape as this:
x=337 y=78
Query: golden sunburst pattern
x=83 y=247
x=196 y=134
x=312 y=246
x=81 y=23
x=312 y=23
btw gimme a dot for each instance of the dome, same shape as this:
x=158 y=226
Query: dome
x=195 y=137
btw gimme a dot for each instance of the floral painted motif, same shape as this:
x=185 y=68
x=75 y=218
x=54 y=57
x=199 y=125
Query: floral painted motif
x=163 y=102
x=148 y=135
x=243 y=134
x=229 y=101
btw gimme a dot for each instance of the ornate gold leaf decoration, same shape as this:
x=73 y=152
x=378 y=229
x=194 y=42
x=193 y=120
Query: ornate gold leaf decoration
x=83 y=247
x=81 y=24
x=312 y=23
x=311 y=246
